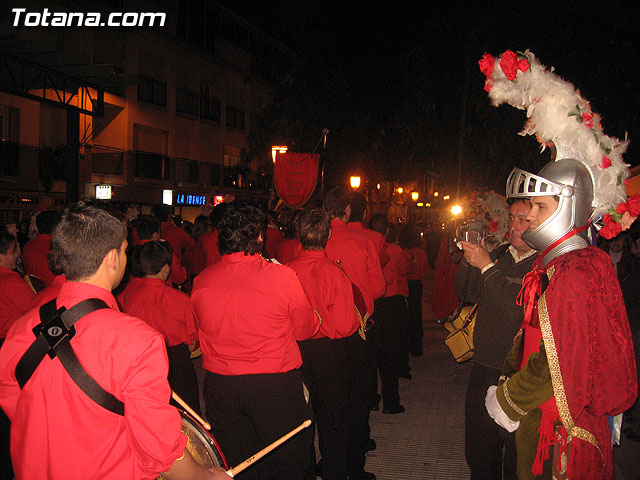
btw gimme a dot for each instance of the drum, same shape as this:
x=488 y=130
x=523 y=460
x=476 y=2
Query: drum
x=201 y=444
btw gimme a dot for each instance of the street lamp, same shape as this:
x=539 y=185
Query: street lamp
x=446 y=197
x=278 y=148
x=355 y=182
x=400 y=190
x=414 y=196
x=456 y=210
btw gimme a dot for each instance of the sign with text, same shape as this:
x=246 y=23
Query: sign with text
x=295 y=177
x=190 y=200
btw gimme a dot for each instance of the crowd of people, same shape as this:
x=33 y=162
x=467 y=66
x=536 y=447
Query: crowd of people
x=138 y=295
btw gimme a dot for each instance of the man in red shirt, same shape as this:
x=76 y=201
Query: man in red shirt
x=178 y=239
x=15 y=295
x=209 y=241
x=251 y=312
x=35 y=253
x=169 y=312
x=324 y=356
x=73 y=435
x=360 y=260
x=358 y=209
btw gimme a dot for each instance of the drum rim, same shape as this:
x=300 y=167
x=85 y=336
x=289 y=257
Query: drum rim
x=206 y=436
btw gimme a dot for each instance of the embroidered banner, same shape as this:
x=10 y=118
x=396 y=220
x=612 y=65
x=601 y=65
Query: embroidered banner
x=295 y=176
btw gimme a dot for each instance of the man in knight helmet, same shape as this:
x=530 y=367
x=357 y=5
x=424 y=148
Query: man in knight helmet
x=571 y=372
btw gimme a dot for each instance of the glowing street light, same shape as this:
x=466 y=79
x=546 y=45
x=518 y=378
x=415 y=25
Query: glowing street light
x=446 y=197
x=456 y=210
x=399 y=189
x=378 y=186
x=355 y=182
x=278 y=148
x=435 y=194
x=414 y=196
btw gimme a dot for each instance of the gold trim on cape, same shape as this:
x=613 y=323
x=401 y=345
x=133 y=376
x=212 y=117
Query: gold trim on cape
x=556 y=375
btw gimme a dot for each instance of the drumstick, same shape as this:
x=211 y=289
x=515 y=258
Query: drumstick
x=241 y=466
x=189 y=410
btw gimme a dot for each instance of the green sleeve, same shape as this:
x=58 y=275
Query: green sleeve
x=527 y=388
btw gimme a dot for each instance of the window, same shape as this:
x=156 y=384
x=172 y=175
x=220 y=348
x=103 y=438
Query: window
x=152 y=165
x=187 y=101
x=152 y=91
x=210 y=106
x=235 y=117
x=9 y=159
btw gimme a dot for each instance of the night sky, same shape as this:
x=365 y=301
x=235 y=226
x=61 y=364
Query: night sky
x=390 y=54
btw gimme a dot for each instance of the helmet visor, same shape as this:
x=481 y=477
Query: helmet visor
x=524 y=184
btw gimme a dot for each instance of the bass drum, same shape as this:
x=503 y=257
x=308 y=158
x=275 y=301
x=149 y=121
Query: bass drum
x=201 y=444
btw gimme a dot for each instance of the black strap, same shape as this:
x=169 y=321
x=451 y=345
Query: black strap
x=52 y=337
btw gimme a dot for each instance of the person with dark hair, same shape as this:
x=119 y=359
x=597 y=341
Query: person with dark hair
x=324 y=356
x=179 y=240
x=288 y=246
x=251 y=312
x=194 y=259
x=360 y=260
x=358 y=209
x=169 y=312
x=139 y=433
x=53 y=289
x=35 y=253
x=15 y=296
x=272 y=234
x=390 y=323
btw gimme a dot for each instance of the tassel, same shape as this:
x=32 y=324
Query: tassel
x=547 y=438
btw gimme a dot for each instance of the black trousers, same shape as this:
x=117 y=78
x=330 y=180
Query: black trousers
x=6 y=470
x=324 y=370
x=359 y=366
x=414 y=318
x=390 y=345
x=182 y=376
x=249 y=412
x=484 y=439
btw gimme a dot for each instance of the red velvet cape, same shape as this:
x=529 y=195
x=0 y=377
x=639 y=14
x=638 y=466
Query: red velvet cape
x=589 y=348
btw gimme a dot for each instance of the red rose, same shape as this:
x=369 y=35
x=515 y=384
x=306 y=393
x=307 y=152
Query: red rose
x=523 y=65
x=633 y=205
x=487 y=85
x=493 y=225
x=610 y=230
x=621 y=208
x=586 y=120
x=607 y=219
x=486 y=64
x=509 y=64
x=606 y=162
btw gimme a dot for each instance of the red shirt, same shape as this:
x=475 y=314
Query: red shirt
x=58 y=432
x=376 y=238
x=209 y=244
x=15 y=296
x=329 y=291
x=287 y=249
x=132 y=284
x=166 y=309
x=35 y=257
x=396 y=271
x=420 y=264
x=250 y=313
x=178 y=273
x=179 y=241
x=359 y=258
x=49 y=293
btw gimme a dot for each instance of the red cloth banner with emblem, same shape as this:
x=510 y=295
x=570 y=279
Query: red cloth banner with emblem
x=295 y=177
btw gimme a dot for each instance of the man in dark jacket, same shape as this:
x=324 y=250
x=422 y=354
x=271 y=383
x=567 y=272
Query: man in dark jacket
x=493 y=281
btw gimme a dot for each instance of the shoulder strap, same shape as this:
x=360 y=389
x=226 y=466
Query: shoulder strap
x=52 y=338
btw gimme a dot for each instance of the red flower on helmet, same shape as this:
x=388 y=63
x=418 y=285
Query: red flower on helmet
x=610 y=230
x=606 y=162
x=487 y=85
x=587 y=120
x=633 y=205
x=486 y=64
x=523 y=65
x=509 y=64
x=607 y=219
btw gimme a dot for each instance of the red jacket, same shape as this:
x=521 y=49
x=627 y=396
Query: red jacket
x=179 y=241
x=250 y=314
x=329 y=291
x=376 y=238
x=73 y=437
x=165 y=309
x=35 y=256
x=420 y=264
x=287 y=249
x=359 y=258
x=209 y=244
x=15 y=297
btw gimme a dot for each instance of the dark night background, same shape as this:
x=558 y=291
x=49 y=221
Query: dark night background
x=390 y=80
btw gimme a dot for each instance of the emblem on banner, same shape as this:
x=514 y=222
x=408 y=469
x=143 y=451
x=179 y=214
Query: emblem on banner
x=295 y=177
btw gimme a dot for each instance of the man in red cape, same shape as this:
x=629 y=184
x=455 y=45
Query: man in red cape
x=572 y=364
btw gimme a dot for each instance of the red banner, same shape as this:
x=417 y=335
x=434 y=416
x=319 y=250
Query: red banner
x=295 y=176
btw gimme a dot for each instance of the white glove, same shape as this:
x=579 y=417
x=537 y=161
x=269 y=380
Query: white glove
x=495 y=411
